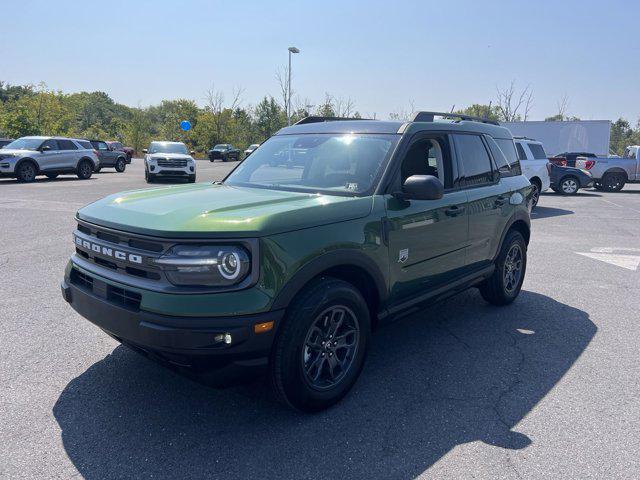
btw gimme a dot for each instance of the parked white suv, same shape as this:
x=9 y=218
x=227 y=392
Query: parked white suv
x=168 y=159
x=533 y=160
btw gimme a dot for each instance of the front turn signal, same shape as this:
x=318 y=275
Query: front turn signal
x=263 y=327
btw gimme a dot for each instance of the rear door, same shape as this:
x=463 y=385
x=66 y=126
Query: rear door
x=488 y=198
x=68 y=158
x=107 y=157
x=427 y=238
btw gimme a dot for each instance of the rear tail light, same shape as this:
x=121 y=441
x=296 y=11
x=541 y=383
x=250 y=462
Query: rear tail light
x=585 y=164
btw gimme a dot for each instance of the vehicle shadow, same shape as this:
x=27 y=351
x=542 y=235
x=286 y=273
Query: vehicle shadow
x=13 y=181
x=457 y=372
x=546 y=212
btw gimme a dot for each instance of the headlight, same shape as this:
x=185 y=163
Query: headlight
x=205 y=265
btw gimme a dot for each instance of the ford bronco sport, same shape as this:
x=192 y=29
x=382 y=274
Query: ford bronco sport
x=326 y=230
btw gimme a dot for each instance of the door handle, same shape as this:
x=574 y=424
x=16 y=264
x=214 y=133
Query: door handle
x=454 y=211
x=500 y=201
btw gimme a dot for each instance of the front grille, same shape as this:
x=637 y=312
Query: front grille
x=172 y=162
x=120 y=241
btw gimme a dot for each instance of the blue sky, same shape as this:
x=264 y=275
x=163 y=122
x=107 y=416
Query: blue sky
x=382 y=54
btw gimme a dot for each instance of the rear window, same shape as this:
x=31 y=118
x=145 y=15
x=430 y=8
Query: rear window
x=537 y=151
x=67 y=145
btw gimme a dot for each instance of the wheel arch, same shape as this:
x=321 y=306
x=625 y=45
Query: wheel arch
x=93 y=162
x=617 y=170
x=351 y=266
x=520 y=222
x=27 y=159
x=537 y=180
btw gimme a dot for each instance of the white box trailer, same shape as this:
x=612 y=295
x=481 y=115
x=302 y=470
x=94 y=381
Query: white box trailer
x=573 y=136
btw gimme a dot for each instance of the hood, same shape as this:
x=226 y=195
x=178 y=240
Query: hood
x=180 y=156
x=208 y=210
x=6 y=151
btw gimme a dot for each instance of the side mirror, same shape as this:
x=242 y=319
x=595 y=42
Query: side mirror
x=144 y=150
x=422 y=187
x=45 y=148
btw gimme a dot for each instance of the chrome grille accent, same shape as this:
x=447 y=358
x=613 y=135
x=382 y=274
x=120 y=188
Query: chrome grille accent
x=171 y=162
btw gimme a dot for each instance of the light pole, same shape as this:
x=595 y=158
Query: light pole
x=291 y=50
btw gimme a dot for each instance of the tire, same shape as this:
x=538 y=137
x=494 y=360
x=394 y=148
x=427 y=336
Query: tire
x=294 y=362
x=84 y=170
x=121 y=165
x=598 y=186
x=97 y=170
x=150 y=178
x=505 y=283
x=192 y=179
x=535 y=193
x=569 y=185
x=613 y=182
x=27 y=172
x=51 y=176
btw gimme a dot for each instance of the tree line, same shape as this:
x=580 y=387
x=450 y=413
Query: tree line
x=38 y=110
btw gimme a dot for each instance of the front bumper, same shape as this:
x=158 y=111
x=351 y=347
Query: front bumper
x=191 y=342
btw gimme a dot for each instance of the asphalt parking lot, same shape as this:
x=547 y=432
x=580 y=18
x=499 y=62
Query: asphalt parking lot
x=548 y=387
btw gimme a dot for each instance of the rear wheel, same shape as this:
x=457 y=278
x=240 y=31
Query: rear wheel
x=505 y=283
x=321 y=347
x=26 y=172
x=569 y=185
x=535 y=192
x=613 y=182
x=84 y=170
x=121 y=165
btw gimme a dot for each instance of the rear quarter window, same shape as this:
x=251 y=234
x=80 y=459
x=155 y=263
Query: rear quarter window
x=537 y=151
x=85 y=144
x=505 y=156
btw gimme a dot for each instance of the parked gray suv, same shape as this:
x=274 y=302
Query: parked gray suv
x=109 y=156
x=27 y=157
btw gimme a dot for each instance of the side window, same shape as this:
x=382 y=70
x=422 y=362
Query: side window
x=429 y=156
x=521 y=154
x=473 y=155
x=85 y=144
x=537 y=151
x=505 y=156
x=52 y=144
x=102 y=146
x=67 y=145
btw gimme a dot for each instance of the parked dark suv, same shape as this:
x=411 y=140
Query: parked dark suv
x=109 y=156
x=289 y=268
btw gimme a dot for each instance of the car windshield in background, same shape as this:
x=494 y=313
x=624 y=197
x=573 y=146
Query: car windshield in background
x=24 y=144
x=163 y=147
x=220 y=147
x=327 y=163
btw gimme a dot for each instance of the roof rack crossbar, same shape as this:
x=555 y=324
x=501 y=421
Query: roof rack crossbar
x=429 y=117
x=318 y=119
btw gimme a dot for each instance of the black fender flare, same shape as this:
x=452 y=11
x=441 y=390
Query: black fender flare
x=334 y=258
x=518 y=215
x=617 y=170
x=26 y=159
x=86 y=158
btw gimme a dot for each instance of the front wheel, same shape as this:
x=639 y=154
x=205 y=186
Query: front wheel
x=535 y=194
x=505 y=283
x=84 y=170
x=149 y=177
x=121 y=165
x=26 y=172
x=569 y=186
x=192 y=179
x=321 y=347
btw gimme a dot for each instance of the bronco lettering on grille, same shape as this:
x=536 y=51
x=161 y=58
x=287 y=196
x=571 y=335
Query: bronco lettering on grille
x=107 y=251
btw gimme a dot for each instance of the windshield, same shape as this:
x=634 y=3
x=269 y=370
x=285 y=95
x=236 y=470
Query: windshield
x=25 y=144
x=329 y=163
x=220 y=147
x=166 y=147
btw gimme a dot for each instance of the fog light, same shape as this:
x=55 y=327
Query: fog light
x=224 y=337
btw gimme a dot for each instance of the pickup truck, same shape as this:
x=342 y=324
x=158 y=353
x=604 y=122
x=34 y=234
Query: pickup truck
x=610 y=174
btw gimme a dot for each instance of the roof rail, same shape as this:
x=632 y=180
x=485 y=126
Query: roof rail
x=318 y=119
x=517 y=137
x=429 y=116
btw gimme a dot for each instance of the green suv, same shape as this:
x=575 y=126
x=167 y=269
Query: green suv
x=330 y=227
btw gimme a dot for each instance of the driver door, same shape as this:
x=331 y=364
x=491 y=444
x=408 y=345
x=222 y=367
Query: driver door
x=427 y=238
x=49 y=159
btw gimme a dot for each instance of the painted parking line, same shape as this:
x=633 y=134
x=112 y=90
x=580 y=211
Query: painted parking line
x=609 y=255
